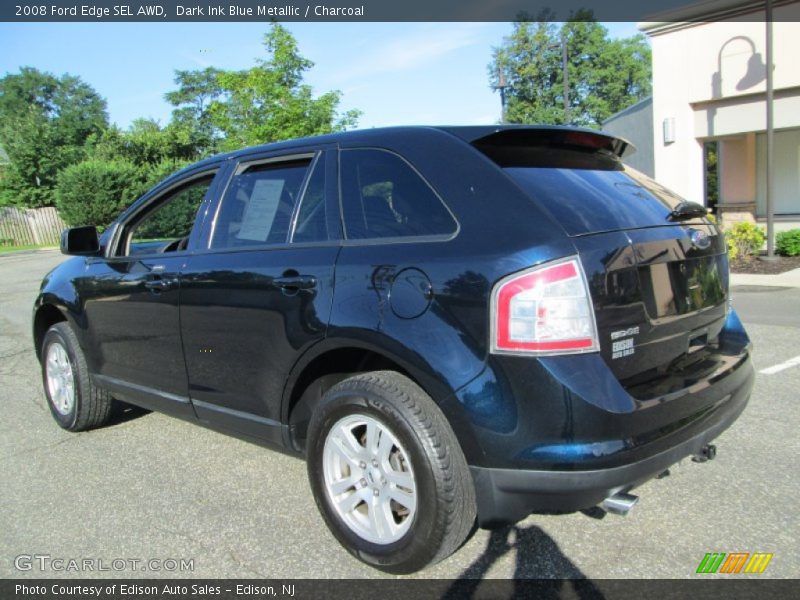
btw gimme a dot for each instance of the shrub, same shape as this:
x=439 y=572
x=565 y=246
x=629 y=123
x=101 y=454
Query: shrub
x=744 y=240
x=155 y=173
x=787 y=243
x=94 y=192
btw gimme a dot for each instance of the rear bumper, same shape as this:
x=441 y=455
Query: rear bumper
x=508 y=495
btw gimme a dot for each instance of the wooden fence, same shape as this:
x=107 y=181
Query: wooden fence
x=40 y=227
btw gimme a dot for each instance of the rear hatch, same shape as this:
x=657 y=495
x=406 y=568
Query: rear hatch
x=658 y=279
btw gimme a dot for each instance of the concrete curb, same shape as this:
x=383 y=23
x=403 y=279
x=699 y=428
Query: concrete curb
x=787 y=279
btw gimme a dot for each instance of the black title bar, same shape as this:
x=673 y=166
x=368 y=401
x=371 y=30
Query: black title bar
x=387 y=10
x=707 y=588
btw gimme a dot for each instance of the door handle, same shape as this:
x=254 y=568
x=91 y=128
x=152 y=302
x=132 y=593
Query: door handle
x=295 y=282
x=158 y=284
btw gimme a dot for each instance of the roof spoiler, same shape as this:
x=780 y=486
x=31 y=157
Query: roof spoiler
x=544 y=136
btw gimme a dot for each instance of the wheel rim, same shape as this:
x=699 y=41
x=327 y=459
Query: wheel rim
x=60 y=381
x=369 y=479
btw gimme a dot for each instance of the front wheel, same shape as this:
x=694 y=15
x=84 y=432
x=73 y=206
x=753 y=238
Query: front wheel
x=75 y=402
x=388 y=474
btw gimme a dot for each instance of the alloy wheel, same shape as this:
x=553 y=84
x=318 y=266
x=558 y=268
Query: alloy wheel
x=60 y=379
x=369 y=479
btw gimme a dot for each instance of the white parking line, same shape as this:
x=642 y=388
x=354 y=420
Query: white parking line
x=792 y=362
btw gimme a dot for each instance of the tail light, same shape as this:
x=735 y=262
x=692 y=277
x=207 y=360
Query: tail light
x=544 y=310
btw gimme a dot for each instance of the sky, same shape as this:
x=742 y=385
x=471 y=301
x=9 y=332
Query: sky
x=395 y=73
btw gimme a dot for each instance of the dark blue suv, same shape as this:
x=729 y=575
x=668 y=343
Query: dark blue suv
x=453 y=325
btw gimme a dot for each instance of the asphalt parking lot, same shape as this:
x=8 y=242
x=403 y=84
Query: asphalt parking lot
x=155 y=487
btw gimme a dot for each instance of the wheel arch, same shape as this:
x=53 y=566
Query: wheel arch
x=46 y=315
x=333 y=360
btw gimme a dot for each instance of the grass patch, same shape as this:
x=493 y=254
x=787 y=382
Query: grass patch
x=11 y=248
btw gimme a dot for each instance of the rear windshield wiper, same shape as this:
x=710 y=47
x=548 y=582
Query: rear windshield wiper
x=687 y=210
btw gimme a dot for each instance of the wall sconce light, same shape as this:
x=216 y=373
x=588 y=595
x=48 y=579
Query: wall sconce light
x=669 y=130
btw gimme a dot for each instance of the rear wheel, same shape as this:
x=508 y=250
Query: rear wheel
x=388 y=474
x=75 y=403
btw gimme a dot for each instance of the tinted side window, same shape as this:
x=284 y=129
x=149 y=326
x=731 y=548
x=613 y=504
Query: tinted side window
x=257 y=207
x=311 y=224
x=384 y=197
x=170 y=219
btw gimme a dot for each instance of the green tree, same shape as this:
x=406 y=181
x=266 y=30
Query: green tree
x=56 y=131
x=146 y=143
x=192 y=101
x=45 y=122
x=270 y=102
x=605 y=75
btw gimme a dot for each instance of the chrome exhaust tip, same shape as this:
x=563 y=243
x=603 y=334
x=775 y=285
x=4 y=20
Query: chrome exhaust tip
x=620 y=503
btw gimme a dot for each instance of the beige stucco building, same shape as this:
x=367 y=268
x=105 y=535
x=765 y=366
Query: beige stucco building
x=709 y=84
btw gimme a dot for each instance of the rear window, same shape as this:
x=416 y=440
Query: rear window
x=589 y=201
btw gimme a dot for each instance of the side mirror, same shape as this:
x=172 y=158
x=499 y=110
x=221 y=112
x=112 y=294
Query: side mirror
x=80 y=241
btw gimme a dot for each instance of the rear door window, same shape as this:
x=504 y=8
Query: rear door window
x=384 y=197
x=258 y=204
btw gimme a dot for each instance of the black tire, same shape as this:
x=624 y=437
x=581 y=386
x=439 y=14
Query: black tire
x=445 y=494
x=91 y=406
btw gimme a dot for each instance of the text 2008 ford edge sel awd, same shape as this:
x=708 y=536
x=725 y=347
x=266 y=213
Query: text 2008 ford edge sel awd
x=450 y=324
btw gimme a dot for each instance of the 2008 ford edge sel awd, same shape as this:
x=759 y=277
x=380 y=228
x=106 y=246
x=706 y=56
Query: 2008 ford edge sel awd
x=452 y=325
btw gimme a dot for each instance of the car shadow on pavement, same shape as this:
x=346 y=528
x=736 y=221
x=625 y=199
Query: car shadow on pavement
x=538 y=557
x=122 y=413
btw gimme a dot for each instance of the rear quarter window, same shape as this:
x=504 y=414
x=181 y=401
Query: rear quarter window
x=384 y=197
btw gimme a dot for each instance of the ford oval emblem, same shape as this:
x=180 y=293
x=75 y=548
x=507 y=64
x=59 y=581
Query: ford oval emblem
x=700 y=239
